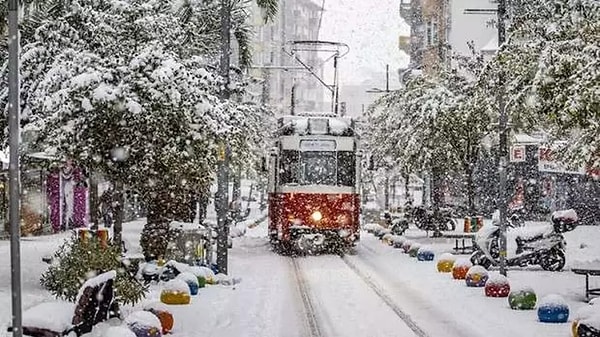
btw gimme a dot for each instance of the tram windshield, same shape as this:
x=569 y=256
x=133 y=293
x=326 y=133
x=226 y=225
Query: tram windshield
x=317 y=168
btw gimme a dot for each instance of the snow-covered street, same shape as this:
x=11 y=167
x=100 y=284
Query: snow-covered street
x=375 y=290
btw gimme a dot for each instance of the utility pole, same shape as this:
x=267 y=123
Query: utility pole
x=503 y=142
x=14 y=120
x=387 y=78
x=221 y=202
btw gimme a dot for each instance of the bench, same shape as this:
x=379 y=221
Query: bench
x=93 y=305
x=462 y=248
x=588 y=272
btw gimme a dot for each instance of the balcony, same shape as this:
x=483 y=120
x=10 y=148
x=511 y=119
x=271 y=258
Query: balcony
x=406 y=10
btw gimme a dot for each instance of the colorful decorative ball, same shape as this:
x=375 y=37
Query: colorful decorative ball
x=522 y=299
x=161 y=311
x=425 y=254
x=587 y=329
x=414 y=249
x=461 y=268
x=175 y=292
x=118 y=330
x=201 y=282
x=207 y=273
x=406 y=246
x=387 y=239
x=191 y=280
x=399 y=241
x=497 y=285
x=144 y=324
x=553 y=309
x=477 y=276
x=586 y=320
x=445 y=263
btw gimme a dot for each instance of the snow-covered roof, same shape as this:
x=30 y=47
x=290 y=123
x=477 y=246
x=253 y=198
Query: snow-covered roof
x=525 y=139
x=317 y=125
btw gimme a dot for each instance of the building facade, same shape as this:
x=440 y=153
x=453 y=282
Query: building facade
x=283 y=83
x=443 y=28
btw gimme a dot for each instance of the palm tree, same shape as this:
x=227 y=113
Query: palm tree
x=241 y=26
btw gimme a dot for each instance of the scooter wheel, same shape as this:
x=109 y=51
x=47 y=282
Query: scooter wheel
x=479 y=259
x=553 y=261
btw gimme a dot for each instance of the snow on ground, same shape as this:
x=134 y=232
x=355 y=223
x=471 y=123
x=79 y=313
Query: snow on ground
x=268 y=302
x=343 y=304
x=430 y=296
x=265 y=303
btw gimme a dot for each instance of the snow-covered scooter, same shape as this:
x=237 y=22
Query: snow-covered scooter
x=539 y=245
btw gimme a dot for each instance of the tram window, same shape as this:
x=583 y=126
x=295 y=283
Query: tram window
x=346 y=163
x=289 y=171
x=319 y=168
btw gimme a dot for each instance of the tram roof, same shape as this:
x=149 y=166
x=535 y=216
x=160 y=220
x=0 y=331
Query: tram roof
x=316 y=124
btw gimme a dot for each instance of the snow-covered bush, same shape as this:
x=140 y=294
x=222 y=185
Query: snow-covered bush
x=76 y=261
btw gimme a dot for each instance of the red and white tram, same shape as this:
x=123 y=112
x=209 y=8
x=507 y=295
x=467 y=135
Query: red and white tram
x=314 y=179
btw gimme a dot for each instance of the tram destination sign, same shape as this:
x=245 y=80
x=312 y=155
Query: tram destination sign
x=317 y=145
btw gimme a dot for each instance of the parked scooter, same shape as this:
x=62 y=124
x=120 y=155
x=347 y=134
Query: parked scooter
x=546 y=247
x=433 y=219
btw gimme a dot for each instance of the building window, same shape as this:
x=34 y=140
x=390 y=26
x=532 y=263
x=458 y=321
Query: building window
x=432 y=32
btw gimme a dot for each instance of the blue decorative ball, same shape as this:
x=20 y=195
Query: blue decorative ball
x=425 y=255
x=553 y=309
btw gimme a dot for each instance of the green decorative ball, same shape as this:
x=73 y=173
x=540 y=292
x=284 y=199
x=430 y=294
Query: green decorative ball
x=524 y=299
x=201 y=282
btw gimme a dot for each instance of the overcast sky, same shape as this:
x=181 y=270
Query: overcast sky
x=371 y=28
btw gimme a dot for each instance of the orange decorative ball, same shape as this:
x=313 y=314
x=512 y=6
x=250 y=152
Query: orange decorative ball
x=461 y=268
x=166 y=321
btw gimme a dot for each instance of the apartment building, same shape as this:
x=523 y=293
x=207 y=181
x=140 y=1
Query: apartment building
x=284 y=84
x=442 y=28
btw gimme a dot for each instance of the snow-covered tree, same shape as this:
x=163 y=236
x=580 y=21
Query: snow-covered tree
x=552 y=62
x=436 y=124
x=129 y=89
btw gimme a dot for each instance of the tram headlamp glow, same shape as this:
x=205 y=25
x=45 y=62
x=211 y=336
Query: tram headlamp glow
x=317 y=216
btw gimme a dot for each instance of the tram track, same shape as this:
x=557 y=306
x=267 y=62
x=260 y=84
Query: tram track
x=385 y=298
x=314 y=305
x=309 y=312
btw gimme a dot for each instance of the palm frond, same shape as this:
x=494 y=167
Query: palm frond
x=243 y=35
x=185 y=11
x=270 y=8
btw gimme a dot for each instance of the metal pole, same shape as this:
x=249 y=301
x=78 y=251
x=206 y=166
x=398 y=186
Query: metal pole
x=222 y=209
x=386 y=192
x=503 y=142
x=14 y=179
x=387 y=78
x=223 y=173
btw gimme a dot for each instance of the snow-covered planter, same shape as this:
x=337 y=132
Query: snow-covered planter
x=445 y=263
x=553 y=309
x=477 y=276
x=414 y=249
x=144 y=324
x=497 y=285
x=406 y=246
x=175 y=292
x=460 y=268
x=161 y=311
x=425 y=254
x=191 y=280
x=522 y=299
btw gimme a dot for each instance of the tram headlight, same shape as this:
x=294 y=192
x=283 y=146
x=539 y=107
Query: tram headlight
x=317 y=216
